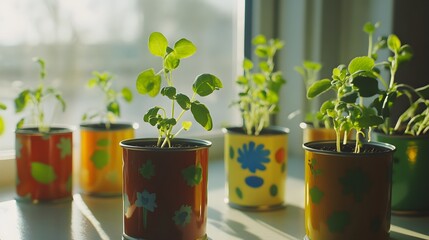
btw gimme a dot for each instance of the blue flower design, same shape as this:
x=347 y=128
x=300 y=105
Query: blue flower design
x=146 y=200
x=182 y=216
x=253 y=157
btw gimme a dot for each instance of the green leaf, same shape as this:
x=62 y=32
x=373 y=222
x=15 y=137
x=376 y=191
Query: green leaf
x=364 y=63
x=43 y=173
x=367 y=86
x=151 y=113
x=186 y=125
x=92 y=82
x=21 y=101
x=202 y=115
x=184 y=48
x=171 y=62
x=262 y=51
x=183 y=101
x=205 y=84
x=349 y=97
x=369 y=28
x=259 y=39
x=113 y=107
x=170 y=92
x=3 y=106
x=100 y=158
x=318 y=88
x=20 y=123
x=247 y=64
x=157 y=44
x=259 y=78
x=328 y=105
x=127 y=94
x=393 y=43
x=312 y=65
x=264 y=67
x=148 y=83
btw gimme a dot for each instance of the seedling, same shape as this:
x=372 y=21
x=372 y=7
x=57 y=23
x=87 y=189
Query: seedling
x=260 y=89
x=414 y=119
x=34 y=99
x=309 y=72
x=149 y=83
x=112 y=108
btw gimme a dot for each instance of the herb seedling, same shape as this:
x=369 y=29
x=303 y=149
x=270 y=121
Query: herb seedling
x=2 y=125
x=309 y=72
x=415 y=117
x=112 y=109
x=35 y=98
x=345 y=111
x=260 y=89
x=149 y=82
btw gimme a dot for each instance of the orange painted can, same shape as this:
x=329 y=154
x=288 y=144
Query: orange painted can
x=44 y=164
x=101 y=157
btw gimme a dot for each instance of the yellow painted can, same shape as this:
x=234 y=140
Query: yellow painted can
x=256 y=168
x=101 y=158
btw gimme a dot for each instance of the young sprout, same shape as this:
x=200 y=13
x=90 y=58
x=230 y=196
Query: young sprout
x=149 y=82
x=112 y=108
x=260 y=89
x=35 y=98
x=309 y=72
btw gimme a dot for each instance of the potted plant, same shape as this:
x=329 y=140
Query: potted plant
x=2 y=125
x=314 y=126
x=43 y=152
x=165 y=178
x=409 y=133
x=348 y=185
x=255 y=154
x=101 y=155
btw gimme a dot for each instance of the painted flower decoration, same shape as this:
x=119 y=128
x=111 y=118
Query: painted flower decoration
x=146 y=200
x=253 y=157
x=147 y=170
x=65 y=146
x=182 y=216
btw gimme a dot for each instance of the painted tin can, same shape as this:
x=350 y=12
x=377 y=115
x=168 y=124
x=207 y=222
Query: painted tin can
x=410 y=179
x=101 y=157
x=256 y=168
x=347 y=195
x=44 y=164
x=165 y=189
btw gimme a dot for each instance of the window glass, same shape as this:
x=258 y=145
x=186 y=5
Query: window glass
x=80 y=36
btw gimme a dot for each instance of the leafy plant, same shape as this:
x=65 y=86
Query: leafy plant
x=361 y=80
x=346 y=112
x=112 y=109
x=414 y=119
x=2 y=125
x=149 y=82
x=35 y=98
x=259 y=96
x=309 y=72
